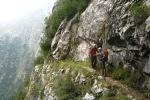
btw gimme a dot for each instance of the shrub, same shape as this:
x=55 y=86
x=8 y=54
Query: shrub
x=39 y=60
x=66 y=89
x=65 y=9
x=134 y=81
x=139 y=11
x=45 y=45
x=119 y=73
x=125 y=76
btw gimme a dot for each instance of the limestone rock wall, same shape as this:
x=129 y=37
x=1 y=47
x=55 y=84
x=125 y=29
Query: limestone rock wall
x=126 y=37
x=92 y=25
x=62 y=39
x=111 y=20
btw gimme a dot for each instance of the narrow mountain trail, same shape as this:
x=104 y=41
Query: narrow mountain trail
x=131 y=92
x=127 y=89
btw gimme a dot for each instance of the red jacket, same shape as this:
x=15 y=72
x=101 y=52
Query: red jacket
x=92 y=51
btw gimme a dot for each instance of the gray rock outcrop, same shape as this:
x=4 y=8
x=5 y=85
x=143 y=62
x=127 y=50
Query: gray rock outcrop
x=92 y=25
x=62 y=39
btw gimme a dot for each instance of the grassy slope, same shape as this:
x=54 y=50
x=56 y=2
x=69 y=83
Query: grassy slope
x=82 y=67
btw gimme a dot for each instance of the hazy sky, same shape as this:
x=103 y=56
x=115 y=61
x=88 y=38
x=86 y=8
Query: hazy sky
x=12 y=9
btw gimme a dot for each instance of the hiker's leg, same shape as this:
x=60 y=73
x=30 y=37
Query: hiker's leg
x=94 y=61
x=102 y=66
x=99 y=64
x=104 y=69
x=90 y=60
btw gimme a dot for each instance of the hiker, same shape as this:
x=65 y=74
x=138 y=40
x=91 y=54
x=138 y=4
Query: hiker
x=102 y=57
x=105 y=52
x=92 y=56
x=101 y=60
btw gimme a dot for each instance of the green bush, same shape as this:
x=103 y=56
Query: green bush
x=124 y=75
x=66 y=89
x=39 y=60
x=45 y=45
x=140 y=11
x=119 y=73
x=134 y=80
x=65 y=9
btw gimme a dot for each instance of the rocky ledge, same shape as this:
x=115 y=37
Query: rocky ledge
x=46 y=79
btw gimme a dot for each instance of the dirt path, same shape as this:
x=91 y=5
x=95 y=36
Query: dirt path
x=126 y=89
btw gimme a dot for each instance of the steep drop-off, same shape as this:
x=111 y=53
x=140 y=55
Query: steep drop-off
x=18 y=45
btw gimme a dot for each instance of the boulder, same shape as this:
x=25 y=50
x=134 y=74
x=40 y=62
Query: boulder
x=88 y=97
x=96 y=88
x=147 y=66
x=147 y=22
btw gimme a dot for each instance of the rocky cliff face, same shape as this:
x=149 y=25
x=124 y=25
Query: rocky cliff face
x=126 y=36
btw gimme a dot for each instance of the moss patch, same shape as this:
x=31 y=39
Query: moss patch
x=140 y=11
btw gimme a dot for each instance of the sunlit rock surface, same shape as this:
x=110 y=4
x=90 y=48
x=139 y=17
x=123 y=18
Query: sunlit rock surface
x=91 y=25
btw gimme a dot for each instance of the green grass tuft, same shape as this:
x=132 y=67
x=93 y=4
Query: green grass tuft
x=66 y=89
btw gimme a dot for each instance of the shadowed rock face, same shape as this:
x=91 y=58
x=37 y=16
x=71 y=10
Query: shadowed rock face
x=146 y=67
x=124 y=34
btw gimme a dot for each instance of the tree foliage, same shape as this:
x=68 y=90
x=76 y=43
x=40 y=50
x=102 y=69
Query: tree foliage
x=140 y=11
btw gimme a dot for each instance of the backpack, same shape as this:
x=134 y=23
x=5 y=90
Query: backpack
x=105 y=51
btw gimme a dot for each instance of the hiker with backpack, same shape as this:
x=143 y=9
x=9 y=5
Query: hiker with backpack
x=102 y=57
x=93 y=49
x=92 y=56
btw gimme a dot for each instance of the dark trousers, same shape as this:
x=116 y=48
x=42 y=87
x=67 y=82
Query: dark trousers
x=104 y=69
x=102 y=64
x=93 y=61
